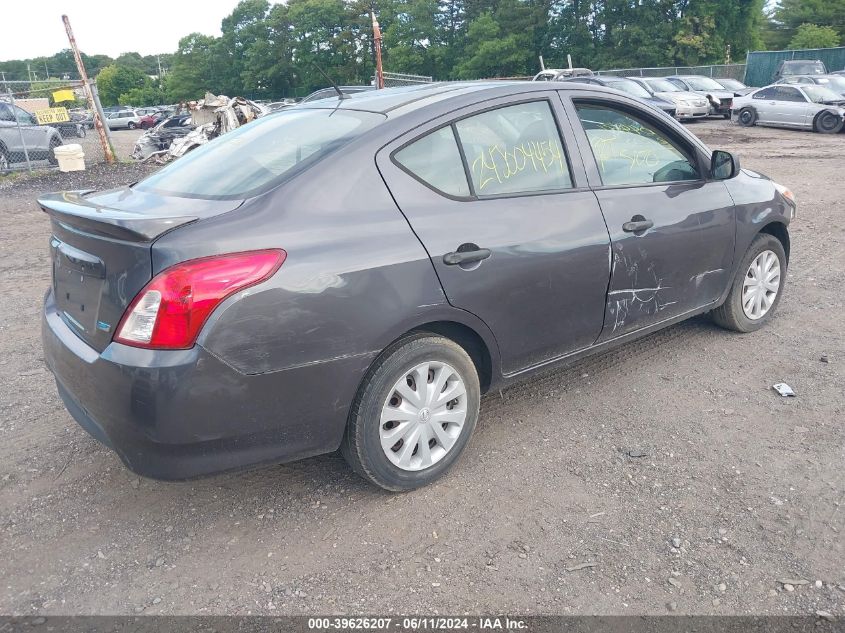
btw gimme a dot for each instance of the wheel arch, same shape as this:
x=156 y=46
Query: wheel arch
x=470 y=340
x=821 y=113
x=779 y=231
x=473 y=337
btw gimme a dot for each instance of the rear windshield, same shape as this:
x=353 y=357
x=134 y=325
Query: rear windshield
x=803 y=68
x=631 y=87
x=702 y=83
x=732 y=84
x=260 y=154
x=662 y=85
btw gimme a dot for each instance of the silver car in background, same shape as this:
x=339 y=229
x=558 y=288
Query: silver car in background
x=22 y=137
x=719 y=98
x=122 y=119
x=688 y=105
x=834 y=82
x=804 y=106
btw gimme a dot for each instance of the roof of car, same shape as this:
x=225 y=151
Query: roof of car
x=409 y=98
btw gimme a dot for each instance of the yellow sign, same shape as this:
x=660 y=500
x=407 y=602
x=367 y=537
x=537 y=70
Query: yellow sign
x=63 y=95
x=52 y=115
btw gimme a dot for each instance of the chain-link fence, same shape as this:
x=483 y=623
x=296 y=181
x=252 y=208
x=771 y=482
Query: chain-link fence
x=36 y=117
x=393 y=80
x=733 y=71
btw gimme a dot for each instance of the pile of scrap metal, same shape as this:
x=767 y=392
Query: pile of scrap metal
x=209 y=118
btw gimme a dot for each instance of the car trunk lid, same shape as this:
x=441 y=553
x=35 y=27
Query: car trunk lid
x=100 y=251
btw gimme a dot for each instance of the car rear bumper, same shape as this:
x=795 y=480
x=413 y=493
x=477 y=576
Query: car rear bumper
x=184 y=413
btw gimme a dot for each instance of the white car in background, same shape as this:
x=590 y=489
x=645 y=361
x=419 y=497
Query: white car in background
x=804 y=106
x=688 y=105
x=122 y=119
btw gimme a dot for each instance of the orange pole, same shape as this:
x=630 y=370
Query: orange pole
x=377 y=42
x=98 y=123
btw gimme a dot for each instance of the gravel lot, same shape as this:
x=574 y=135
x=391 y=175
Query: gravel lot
x=738 y=491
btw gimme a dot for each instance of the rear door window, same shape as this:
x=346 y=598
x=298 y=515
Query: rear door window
x=435 y=160
x=514 y=149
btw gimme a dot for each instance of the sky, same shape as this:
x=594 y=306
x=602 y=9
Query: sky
x=151 y=26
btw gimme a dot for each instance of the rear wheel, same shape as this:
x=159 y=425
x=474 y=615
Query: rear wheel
x=827 y=122
x=414 y=413
x=747 y=117
x=757 y=287
x=131 y=125
x=727 y=115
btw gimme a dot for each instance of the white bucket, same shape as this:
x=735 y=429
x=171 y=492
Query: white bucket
x=70 y=157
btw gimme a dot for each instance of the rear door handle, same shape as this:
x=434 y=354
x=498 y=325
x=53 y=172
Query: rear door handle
x=466 y=257
x=635 y=226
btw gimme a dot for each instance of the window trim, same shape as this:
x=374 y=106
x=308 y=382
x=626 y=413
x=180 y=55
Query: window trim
x=687 y=148
x=473 y=195
x=426 y=184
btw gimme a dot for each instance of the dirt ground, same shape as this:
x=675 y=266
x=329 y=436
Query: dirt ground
x=738 y=490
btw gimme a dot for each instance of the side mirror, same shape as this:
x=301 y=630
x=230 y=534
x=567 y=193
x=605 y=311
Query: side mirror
x=723 y=165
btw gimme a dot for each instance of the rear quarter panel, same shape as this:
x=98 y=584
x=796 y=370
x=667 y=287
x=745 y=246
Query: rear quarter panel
x=355 y=277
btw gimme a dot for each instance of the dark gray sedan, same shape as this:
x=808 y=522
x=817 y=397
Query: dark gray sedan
x=355 y=273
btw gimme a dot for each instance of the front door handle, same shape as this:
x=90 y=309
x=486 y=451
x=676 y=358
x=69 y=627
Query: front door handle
x=637 y=224
x=459 y=257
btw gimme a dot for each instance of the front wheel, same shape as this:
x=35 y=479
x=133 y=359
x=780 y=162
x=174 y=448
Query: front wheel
x=414 y=413
x=828 y=122
x=757 y=287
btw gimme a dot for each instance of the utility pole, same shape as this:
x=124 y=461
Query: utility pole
x=377 y=43
x=93 y=103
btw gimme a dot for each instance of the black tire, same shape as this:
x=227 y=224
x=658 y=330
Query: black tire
x=81 y=131
x=361 y=446
x=51 y=156
x=131 y=125
x=727 y=115
x=730 y=314
x=747 y=117
x=827 y=122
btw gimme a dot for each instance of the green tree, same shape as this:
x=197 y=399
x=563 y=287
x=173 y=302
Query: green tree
x=115 y=80
x=192 y=69
x=489 y=54
x=814 y=36
x=147 y=95
x=789 y=15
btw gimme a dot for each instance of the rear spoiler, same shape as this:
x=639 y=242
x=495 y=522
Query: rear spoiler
x=72 y=209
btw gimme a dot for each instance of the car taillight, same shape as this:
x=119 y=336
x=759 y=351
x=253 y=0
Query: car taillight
x=172 y=308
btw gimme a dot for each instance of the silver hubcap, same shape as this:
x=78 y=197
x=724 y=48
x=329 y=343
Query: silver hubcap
x=423 y=416
x=762 y=281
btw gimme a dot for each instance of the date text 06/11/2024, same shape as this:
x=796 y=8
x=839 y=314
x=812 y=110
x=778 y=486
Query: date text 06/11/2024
x=416 y=624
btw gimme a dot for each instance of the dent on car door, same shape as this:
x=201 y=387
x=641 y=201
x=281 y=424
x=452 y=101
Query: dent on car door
x=500 y=202
x=672 y=230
